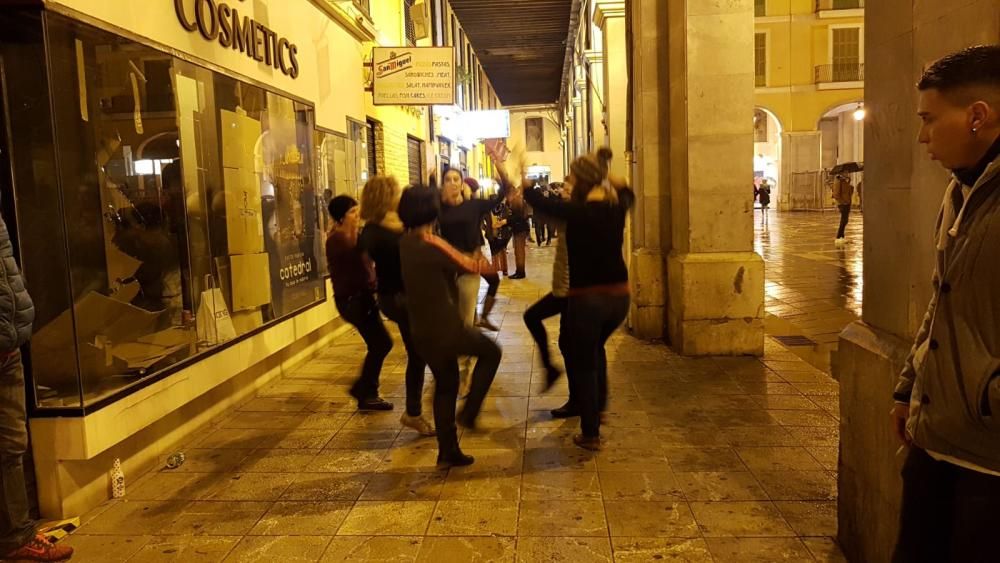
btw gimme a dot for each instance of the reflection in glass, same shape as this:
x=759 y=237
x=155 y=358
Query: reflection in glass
x=190 y=207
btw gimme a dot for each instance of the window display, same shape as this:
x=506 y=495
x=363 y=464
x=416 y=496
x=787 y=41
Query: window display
x=188 y=201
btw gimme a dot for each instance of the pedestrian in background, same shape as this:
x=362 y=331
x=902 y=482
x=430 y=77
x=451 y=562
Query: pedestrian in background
x=764 y=198
x=431 y=268
x=948 y=396
x=598 y=297
x=520 y=228
x=379 y=242
x=354 y=295
x=843 y=194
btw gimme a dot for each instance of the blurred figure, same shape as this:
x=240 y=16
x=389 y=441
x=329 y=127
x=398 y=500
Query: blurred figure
x=598 y=297
x=379 y=241
x=354 y=294
x=520 y=228
x=430 y=268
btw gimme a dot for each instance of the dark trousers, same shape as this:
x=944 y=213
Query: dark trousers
x=442 y=357
x=16 y=527
x=586 y=325
x=545 y=308
x=540 y=230
x=948 y=513
x=393 y=306
x=845 y=214
x=362 y=312
x=492 y=284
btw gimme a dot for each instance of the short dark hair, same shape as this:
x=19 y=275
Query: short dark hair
x=972 y=67
x=340 y=205
x=418 y=206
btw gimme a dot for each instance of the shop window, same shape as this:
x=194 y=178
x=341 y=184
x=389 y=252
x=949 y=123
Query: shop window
x=534 y=134
x=191 y=204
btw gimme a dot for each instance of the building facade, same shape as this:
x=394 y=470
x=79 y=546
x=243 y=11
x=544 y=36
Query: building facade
x=166 y=170
x=809 y=70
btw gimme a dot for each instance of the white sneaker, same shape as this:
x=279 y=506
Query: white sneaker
x=839 y=242
x=417 y=423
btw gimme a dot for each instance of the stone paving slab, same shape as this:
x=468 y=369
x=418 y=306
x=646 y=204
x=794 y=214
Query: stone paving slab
x=707 y=459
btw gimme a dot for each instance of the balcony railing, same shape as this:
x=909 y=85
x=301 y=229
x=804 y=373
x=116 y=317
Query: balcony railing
x=840 y=72
x=823 y=5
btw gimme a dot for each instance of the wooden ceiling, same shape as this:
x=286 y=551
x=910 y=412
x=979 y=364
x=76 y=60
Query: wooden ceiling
x=521 y=45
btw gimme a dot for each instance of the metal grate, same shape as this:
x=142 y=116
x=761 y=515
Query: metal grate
x=795 y=340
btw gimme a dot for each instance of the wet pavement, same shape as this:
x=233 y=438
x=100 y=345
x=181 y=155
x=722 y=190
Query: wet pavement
x=709 y=459
x=813 y=288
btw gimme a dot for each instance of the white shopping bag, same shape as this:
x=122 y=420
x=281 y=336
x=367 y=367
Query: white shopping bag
x=215 y=326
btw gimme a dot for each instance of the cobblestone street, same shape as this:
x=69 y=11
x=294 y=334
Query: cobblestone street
x=711 y=459
x=813 y=288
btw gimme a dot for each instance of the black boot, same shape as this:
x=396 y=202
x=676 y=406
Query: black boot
x=454 y=458
x=566 y=411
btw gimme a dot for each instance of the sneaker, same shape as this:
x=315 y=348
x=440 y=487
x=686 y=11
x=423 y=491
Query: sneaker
x=457 y=459
x=839 y=242
x=39 y=548
x=565 y=411
x=374 y=404
x=417 y=423
x=592 y=443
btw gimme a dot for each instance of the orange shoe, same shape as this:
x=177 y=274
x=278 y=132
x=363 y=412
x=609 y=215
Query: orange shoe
x=39 y=549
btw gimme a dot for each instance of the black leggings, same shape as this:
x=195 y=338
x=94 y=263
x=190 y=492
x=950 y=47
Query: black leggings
x=493 y=284
x=392 y=305
x=362 y=312
x=442 y=357
x=845 y=215
x=545 y=308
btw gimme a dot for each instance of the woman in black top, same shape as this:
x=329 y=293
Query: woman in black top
x=598 y=297
x=461 y=225
x=379 y=240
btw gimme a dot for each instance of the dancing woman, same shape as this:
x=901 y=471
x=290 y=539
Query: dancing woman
x=430 y=268
x=379 y=241
x=598 y=297
x=354 y=295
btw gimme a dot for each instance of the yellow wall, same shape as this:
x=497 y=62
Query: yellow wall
x=798 y=41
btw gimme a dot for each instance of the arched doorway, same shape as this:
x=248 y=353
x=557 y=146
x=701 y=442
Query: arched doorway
x=767 y=151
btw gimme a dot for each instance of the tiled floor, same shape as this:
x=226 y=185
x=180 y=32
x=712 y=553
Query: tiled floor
x=727 y=459
x=813 y=288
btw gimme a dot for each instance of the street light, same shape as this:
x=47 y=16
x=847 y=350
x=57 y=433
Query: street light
x=860 y=113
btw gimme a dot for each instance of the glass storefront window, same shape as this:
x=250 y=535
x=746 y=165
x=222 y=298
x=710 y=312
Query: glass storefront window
x=191 y=210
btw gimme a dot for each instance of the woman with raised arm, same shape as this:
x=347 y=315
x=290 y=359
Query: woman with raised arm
x=598 y=297
x=379 y=241
x=430 y=268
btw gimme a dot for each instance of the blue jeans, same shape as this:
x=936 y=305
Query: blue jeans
x=16 y=528
x=589 y=321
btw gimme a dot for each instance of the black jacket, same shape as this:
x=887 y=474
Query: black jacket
x=17 y=312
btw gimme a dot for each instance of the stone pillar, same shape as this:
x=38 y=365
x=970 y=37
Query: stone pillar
x=609 y=16
x=715 y=280
x=903 y=190
x=596 y=97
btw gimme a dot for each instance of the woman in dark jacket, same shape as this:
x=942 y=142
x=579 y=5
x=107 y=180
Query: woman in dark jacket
x=430 y=268
x=598 y=297
x=379 y=241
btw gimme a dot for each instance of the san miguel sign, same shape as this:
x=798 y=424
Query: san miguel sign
x=218 y=21
x=411 y=76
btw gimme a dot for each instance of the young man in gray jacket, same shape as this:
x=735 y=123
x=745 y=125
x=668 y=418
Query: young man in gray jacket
x=18 y=539
x=948 y=395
